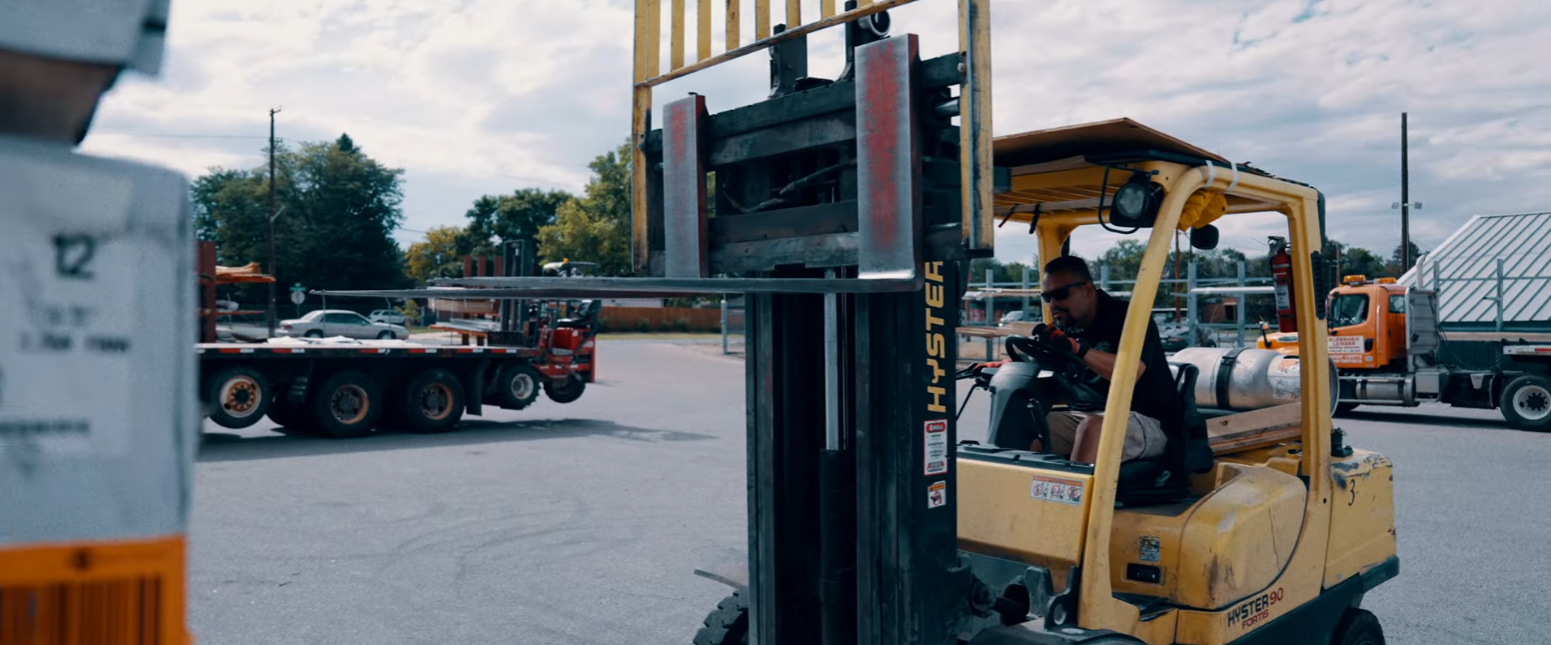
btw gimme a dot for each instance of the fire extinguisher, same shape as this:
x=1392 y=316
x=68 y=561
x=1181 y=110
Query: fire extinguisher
x=1281 y=273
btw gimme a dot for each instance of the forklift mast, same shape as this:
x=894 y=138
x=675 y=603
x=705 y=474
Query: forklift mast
x=846 y=212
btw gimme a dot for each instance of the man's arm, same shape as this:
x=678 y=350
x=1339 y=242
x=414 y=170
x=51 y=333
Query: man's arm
x=1103 y=363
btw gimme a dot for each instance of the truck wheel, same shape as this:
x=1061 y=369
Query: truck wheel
x=1526 y=403
x=433 y=402
x=346 y=404
x=1343 y=408
x=517 y=385
x=565 y=391
x=1358 y=627
x=238 y=397
x=291 y=418
x=728 y=625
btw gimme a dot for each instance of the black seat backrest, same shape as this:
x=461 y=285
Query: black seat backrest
x=1196 y=450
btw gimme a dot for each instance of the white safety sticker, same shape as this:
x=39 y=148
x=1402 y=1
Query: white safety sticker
x=1055 y=489
x=69 y=310
x=937 y=495
x=937 y=447
x=1346 y=344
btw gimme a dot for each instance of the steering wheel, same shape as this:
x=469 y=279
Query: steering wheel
x=1024 y=349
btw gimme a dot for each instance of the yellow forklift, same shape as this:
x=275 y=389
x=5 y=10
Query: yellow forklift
x=849 y=210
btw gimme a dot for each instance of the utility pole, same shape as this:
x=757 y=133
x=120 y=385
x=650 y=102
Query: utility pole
x=272 y=274
x=1405 y=199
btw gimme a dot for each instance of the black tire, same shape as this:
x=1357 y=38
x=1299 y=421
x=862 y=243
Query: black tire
x=1526 y=403
x=1358 y=627
x=728 y=624
x=433 y=401
x=347 y=404
x=313 y=334
x=565 y=391
x=517 y=385
x=1343 y=408
x=386 y=335
x=237 y=397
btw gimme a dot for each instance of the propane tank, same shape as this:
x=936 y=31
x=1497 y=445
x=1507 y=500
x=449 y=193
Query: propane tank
x=1237 y=379
x=1282 y=275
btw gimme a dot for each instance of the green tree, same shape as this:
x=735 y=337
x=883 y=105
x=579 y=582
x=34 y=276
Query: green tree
x=518 y=216
x=1395 y=267
x=440 y=255
x=596 y=226
x=337 y=210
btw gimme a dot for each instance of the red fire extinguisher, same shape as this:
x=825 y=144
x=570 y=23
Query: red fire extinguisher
x=1281 y=273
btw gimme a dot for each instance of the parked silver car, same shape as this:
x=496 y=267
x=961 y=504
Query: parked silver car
x=339 y=322
x=389 y=316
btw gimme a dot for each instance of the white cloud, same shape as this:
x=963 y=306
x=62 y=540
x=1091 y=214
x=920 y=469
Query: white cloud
x=490 y=95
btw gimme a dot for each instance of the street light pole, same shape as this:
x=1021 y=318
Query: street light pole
x=272 y=272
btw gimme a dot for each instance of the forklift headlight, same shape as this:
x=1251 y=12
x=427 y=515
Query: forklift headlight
x=1136 y=203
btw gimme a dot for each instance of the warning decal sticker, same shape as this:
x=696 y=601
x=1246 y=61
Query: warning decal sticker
x=937 y=494
x=1055 y=489
x=937 y=447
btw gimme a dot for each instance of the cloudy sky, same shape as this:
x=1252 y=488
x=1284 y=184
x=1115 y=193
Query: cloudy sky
x=486 y=96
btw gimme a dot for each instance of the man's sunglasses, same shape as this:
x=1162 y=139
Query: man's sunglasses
x=1060 y=293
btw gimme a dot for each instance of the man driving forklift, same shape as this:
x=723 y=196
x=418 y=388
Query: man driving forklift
x=1088 y=325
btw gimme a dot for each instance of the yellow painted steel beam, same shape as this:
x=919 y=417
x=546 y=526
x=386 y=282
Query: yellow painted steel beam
x=793 y=13
x=975 y=124
x=733 y=25
x=761 y=20
x=826 y=8
x=676 y=35
x=703 y=15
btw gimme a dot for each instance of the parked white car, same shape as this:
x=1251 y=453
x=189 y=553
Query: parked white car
x=389 y=316
x=339 y=322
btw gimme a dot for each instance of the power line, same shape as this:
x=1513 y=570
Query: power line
x=159 y=135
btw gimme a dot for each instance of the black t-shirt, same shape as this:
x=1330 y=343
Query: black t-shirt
x=1154 y=395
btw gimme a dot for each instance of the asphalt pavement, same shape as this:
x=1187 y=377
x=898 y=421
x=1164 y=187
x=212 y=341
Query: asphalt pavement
x=583 y=523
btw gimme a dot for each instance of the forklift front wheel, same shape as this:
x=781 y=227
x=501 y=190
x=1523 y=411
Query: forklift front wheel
x=728 y=624
x=517 y=385
x=1358 y=627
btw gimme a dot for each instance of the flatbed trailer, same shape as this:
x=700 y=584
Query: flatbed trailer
x=341 y=388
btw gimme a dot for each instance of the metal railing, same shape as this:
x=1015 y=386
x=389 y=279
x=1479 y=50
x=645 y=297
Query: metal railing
x=1499 y=279
x=1189 y=289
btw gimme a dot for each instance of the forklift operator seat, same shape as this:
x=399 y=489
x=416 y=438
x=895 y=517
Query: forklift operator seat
x=1166 y=478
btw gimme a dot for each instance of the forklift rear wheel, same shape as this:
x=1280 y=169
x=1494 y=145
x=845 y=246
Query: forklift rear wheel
x=565 y=391
x=1358 y=627
x=728 y=625
x=1343 y=408
x=1526 y=403
x=432 y=402
x=238 y=397
x=347 y=404
x=517 y=386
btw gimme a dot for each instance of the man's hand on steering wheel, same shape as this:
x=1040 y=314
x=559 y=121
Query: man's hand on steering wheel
x=1057 y=340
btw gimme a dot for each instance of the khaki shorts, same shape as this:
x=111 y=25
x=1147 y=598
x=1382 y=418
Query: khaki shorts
x=1144 y=435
